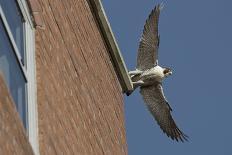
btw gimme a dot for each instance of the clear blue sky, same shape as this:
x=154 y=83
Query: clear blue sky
x=196 y=42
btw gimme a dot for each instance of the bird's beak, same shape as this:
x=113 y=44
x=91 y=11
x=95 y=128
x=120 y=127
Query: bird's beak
x=170 y=73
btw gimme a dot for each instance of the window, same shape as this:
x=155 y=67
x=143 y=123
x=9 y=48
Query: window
x=13 y=73
x=12 y=55
x=17 y=62
x=16 y=22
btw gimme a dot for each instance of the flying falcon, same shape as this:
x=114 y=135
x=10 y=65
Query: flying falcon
x=149 y=75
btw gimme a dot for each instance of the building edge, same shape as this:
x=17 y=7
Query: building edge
x=114 y=51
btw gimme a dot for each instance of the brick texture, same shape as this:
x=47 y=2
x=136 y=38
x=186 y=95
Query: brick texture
x=80 y=104
x=13 y=139
x=36 y=11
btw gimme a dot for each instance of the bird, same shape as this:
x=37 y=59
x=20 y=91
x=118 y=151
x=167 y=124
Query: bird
x=148 y=75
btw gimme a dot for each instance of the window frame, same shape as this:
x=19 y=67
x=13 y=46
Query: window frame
x=28 y=70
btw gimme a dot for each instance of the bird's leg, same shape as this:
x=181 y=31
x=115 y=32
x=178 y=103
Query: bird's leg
x=135 y=72
x=137 y=83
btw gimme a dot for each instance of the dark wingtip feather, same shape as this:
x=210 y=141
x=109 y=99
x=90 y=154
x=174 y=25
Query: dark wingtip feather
x=177 y=135
x=157 y=9
x=183 y=137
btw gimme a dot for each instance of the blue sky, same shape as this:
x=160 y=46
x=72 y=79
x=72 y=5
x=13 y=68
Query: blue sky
x=196 y=42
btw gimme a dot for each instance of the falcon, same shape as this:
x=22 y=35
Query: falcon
x=148 y=75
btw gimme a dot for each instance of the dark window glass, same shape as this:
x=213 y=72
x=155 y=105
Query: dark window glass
x=16 y=23
x=12 y=73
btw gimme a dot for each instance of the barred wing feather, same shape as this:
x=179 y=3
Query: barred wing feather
x=161 y=111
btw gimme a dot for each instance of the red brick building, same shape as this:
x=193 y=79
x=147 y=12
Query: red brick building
x=62 y=85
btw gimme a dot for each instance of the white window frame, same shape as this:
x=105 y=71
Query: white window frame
x=29 y=71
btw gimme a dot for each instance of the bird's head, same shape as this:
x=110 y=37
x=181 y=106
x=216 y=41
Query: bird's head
x=167 y=72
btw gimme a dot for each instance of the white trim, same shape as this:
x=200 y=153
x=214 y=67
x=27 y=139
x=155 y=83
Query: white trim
x=25 y=11
x=31 y=73
x=31 y=85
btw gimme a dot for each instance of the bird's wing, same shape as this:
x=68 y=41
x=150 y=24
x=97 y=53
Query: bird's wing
x=160 y=109
x=149 y=42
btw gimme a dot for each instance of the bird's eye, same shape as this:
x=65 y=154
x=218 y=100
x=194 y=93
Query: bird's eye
x=165 y=71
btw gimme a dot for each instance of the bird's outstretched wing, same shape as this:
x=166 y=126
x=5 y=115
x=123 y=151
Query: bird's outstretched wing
x=160 y=109
x=149 y=42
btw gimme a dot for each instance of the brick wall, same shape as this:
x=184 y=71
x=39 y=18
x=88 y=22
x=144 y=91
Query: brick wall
x=80 y=104
x=13 y=139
